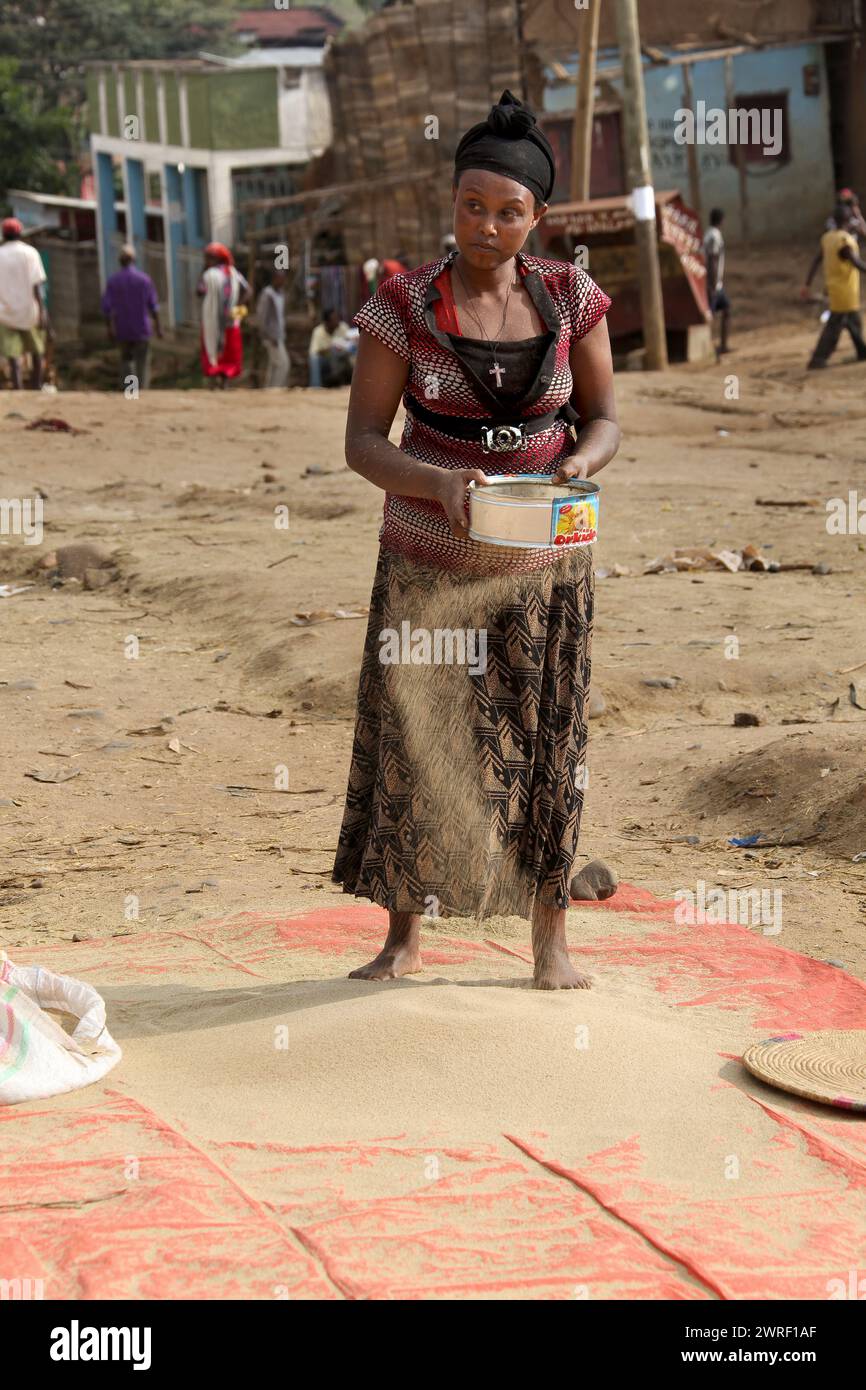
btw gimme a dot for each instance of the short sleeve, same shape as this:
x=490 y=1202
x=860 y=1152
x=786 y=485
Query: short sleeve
x=385 y=315
x=588 y=304
x=37 y=269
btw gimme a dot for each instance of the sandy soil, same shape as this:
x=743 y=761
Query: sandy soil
x=180 y=808
x=276 y=1129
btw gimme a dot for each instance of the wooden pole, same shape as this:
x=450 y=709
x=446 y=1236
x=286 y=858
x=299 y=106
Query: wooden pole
x=581 y=133
x=639 y=174
x=730 y=98
x=363 y=188
x=691 y=147
x=252 y=252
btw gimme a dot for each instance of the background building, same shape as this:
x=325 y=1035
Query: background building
x=337 y=138
x=185 y=144
x=788 y=82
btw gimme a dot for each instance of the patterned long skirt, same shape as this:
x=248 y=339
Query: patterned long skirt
x=468 y=765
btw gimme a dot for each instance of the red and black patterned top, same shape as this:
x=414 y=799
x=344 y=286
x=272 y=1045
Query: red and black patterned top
x=413 y=314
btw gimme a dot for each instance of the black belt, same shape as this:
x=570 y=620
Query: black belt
x=494 y=436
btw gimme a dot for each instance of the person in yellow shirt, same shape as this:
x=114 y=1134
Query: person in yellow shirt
x=840 y=257
x=333 y=345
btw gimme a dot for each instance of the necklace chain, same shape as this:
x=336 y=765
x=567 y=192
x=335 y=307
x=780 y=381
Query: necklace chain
x=495 y=345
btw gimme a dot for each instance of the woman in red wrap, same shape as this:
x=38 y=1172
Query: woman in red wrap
x=224 y=292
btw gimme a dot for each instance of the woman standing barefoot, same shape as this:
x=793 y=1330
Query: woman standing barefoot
x=466 y=783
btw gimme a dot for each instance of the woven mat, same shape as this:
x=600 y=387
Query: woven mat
x=827 y=1066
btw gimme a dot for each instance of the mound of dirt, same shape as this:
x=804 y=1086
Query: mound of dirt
x=321 y=509
x=195 y=494
x=805 y=787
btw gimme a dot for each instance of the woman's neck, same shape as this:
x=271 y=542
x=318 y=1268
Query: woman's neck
x=486 y=281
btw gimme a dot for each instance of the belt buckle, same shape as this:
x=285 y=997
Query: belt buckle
x=502 y=439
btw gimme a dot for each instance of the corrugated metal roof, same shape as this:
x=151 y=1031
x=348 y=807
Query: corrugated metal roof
x=288 y=25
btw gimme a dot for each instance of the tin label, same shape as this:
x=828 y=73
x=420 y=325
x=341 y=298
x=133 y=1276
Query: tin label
x=574 y=521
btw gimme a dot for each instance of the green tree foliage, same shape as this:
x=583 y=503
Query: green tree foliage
x=36 y=144
x=45 y=47
x=54 y=38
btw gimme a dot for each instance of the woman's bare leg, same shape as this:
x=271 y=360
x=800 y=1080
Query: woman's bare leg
x=553 y=969
x=401 y=953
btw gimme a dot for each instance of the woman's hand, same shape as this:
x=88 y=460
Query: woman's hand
x=573 y=467
x=453 y=496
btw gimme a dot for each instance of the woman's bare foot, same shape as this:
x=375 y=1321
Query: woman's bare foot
x=557 y=972
x=553 y=969
x=401 y=953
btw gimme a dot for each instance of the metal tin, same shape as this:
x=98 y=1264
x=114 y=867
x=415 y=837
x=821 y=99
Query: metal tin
x=532 y=510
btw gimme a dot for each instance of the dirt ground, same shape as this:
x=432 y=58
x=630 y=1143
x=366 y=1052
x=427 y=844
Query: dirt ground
x=210 y=735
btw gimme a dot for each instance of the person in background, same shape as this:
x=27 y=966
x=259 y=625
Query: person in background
x=129 y=304
x=714 y=258
x=332 y=351
x=394 y=265
x=23 y=317
x=271 y=320
x=224 y=294
x=848 y=199
x=839 y=253
x=370 y=270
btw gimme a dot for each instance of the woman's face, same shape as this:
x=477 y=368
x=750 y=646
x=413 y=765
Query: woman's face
x=493 y=211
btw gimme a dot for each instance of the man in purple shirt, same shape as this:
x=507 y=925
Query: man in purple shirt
x=129 y=303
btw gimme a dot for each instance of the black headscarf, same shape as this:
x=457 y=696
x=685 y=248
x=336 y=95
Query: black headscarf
x=509 y=142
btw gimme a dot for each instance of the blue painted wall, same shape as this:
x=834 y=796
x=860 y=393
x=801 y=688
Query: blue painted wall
x=175 y=232
x=107 y=213
x=136 y=221
x=786 y=200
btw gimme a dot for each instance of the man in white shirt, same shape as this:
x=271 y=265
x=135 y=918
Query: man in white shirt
x=333 y=345
x=271 y=319
x=23 y=320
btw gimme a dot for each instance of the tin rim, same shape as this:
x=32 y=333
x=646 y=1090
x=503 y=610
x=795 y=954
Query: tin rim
x=517 y=478
x=578 y=487
x=582 y=488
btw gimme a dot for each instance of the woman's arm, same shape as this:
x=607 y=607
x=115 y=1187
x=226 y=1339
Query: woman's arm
x=593 y=399
x=378 y=383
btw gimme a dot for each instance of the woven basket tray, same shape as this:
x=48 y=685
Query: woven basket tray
x=829 y=1067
